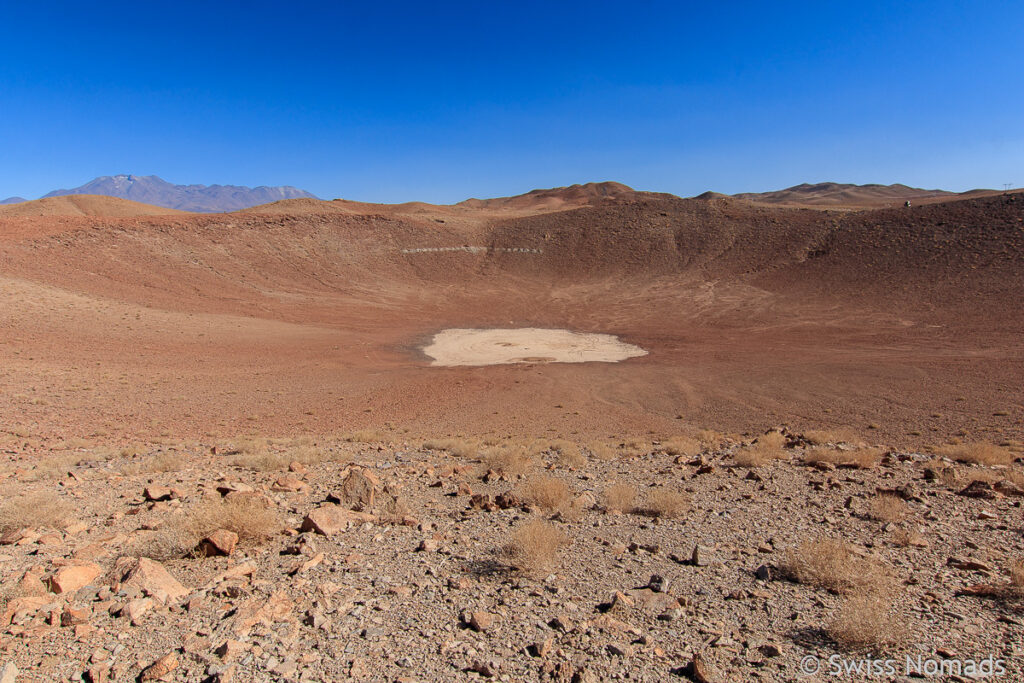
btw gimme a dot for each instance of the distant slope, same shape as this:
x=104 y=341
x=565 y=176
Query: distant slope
x=845 y=194
x=558 y=197
x=84 y=205
x=13 y=200
x=202 y=198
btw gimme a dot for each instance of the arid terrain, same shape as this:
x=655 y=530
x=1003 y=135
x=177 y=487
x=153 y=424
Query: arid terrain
x=812 y=447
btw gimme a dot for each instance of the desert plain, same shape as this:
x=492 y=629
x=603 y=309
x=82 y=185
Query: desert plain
x=701 y=439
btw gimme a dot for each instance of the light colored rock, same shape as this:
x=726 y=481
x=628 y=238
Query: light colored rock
x=358 y=490
x=289 y=483
x=150 y=577
x=332 y=519
x=220 y=542
x=160 y=668
x=9 y=673
x=72 y=577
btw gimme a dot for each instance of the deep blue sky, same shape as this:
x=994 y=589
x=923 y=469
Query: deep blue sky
x=443 y=101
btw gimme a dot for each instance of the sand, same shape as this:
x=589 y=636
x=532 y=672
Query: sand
x=526 y=345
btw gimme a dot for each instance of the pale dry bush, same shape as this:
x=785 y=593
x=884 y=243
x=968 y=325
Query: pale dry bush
x=1017 y=575
x=709 y=438
x=249 y=516
x=620 y=498
x=886 y=507
x=166 y=461
x=601 y=451
x=832 y=564
x=547 y=493
x=534 y=546
x=681 y=445
x=260 y=461
x=568 y=452
x=907 y=537
x=766 y=449
x=866 y=621
x=366 y=436
x=53 y=467
x=820 y=437
x=40 y=509
x=666 y=503
x=861 y=458
x=512 y=460
x=978 y=453
x=460 y=448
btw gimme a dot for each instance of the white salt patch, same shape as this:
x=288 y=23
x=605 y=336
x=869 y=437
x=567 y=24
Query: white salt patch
x=526 y=345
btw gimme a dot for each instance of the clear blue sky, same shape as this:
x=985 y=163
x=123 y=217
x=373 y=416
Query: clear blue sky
x=442 y=101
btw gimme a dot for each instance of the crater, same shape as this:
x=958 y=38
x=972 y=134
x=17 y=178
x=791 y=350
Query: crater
x=459 y=346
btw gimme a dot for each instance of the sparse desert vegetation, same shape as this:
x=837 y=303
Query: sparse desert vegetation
x=534 y=546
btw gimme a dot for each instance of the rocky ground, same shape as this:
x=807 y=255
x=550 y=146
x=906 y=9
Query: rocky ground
x=390 y=560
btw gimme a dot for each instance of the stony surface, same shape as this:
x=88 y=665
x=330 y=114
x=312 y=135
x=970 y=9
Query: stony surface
x=339 y=594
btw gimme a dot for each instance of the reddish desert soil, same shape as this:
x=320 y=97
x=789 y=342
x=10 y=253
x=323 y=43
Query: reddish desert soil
x=903 y=322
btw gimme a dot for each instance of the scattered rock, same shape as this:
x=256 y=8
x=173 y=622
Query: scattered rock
x=330 y=519
x=72 y=577
x=150 y=577
x=160 y=668
x=220 y=542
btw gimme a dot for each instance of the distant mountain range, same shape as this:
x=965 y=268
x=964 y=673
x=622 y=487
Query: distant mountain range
x=158 y=192
x=13 y=200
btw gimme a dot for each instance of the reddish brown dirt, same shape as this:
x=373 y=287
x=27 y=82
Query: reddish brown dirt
x=904 y=322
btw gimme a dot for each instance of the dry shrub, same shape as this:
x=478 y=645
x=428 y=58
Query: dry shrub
x=568 y=452
x=887 y=507
x=832 y=564
x=620 y=498
x=820 y=437
x=460 y=448
x=534 y=546
x=249 y=516
x=978 y=453
x=602 y=451
x=53 y=467
x=366 y=436
x=907 y=537
x=666 y=503
x=1017 y=575
x=681 y=445
x=547 y=493
x=767 y=448
x=574 y=510
x=709 y=438
x=862 y=458
x=41 y=509
x=866 y=621
x=512 y=460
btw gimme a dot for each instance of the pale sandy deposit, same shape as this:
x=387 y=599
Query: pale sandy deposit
x=526 y=345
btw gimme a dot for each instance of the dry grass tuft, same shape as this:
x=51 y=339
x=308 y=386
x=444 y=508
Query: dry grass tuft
x=819 y=437
x=866 y=621
x=681 y=445
x=534 y=546
x=978 y=453
x=460 y=448
x=766 y=449
x=366 y=436
x=248 y=516
x=832 y=565
x=512 y=460
x=547 y=493
x=601 y=451
x=620 y=498
x=53 y=467
x=907 y=537
x=42 y=509
x=862 y=458
x=666 y=503
x=887 y=507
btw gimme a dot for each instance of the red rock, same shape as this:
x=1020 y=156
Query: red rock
x=151 y=578
x=220 y=542
x=72 y=616
x=160 y=668
x=358 y=490
x=332 y=519
x=155 y=493
x=72 y=577
x=290 y=483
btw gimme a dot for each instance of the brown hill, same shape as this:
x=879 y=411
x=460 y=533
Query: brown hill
x=84 y=205
x=312 y=320
x=847 y=195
